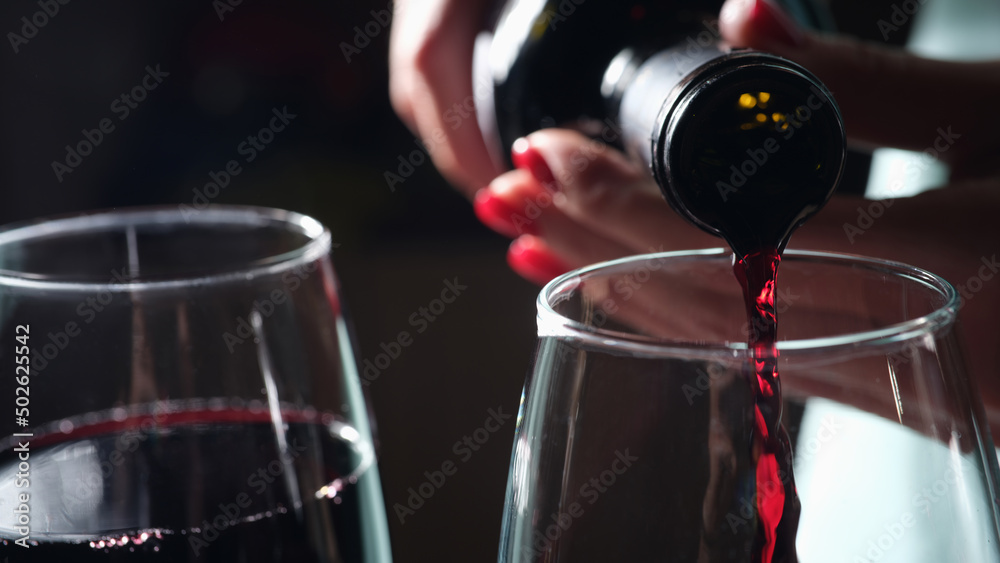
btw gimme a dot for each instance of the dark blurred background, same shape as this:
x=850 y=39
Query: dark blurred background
x=219 y=72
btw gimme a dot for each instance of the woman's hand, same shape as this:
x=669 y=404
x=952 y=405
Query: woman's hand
x=574 y=201
x=430 y=84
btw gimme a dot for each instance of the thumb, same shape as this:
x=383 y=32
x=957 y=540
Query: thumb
x=888 y=97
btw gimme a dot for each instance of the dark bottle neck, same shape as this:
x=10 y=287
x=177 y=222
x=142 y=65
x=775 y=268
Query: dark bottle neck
x=641 y=94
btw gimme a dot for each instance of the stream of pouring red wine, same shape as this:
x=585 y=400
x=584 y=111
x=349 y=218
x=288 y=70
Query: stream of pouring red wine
x=776 y=501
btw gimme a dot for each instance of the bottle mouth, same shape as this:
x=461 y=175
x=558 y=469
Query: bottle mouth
x=755 y=136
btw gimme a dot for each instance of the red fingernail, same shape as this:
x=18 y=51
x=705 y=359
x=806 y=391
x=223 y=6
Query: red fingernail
x=534 y=261
x=527 y=158
x=776 y=24
x=500 y=216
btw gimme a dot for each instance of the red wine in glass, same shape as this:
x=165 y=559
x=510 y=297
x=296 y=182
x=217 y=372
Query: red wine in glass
x=154 y=488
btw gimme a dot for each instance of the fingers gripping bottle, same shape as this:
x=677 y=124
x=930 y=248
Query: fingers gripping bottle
x=729 y=135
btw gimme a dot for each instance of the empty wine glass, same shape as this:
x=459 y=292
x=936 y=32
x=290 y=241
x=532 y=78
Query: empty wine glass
x=634 y=440
x=180 y=385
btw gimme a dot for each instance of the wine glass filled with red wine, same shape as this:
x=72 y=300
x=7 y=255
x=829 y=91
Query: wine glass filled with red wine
x=179 y=385
x=665 y=421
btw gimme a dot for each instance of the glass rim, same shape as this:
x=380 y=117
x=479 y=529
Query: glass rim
x=318 y=244
x=558 y=325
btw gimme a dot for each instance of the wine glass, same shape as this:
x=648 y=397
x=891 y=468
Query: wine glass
x=635 y=443
x=179 y=385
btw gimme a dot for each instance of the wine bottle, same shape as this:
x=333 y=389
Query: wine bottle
x=744 y=144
